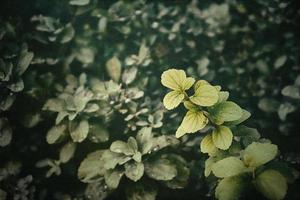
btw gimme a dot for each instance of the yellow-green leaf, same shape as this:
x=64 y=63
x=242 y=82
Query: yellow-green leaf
x=229 y=188
x=193 y=122
x=225 y=112
x=257 y=154
x=271 y=184
x=173 y=99
x=228 y=167
x=189 y=105
x=176 y=80
x=205 y=94
x=222 y=137
x=207 y=145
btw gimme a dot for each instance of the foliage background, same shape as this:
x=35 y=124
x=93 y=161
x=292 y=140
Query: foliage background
x=249 y=48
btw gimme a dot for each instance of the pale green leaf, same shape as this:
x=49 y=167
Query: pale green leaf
x=55 y=133
x=257 y=154
x=222 y=137
x=92 y=167
x=141 y=192
x=113 y=68
x=228 y=167
x=79 y=2
x=24 y=61
x=226 y=111
x=121 y=147
x=134 y=170
x=160 y=169
x=144 y=139
x=173 y=99
x=113 y=177
x=80 y=132
x=67 y=152
x=279 y=62
x=271 y=184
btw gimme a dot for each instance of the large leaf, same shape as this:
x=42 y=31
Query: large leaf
x=173 y=99
x=192 y=122
x=92 y=167
x=271 y=184
x=228 y=167
x=222 y=137
x=176 y=80
x=225 y=112
x=229 y=188
x=134 y=170
x=205 y=94
x=257 y=154
x=160 y=169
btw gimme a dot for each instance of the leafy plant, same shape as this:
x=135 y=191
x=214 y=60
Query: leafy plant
x=237 y=167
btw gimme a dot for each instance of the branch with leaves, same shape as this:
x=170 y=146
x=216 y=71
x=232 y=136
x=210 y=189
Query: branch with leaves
x=238 y=157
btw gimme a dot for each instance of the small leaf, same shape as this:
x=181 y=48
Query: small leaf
x=79 y=2
x=257 y=154
x=176 y=80
x=229 y=188
x=271 y=184
x=113 y=68
x=112 y=159
x=112 y=178
x=223 y=96
x=189 y=105
x=129 y=75
x=144 y=139
x=291 y=91
x=55 y=133
x=134 y=170
x=98 y=133
x=67 y=152
x=226 y=111
x=173 y=99
x=160 y=169
x=81 y=131
x=245 y=115
x=24 y=61
x=208 y=165
x=222 y=137
x=207 y=145
x=205 y=94
x=285 y=109
x=141 y=192
x=5 y=132
x=192 y=122
x=121 y=147
x=280 y=61
x=228 y=167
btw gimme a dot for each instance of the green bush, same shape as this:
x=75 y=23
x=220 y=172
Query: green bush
x=83 y=110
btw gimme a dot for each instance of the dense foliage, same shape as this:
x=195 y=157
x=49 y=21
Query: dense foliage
x=83 y=110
